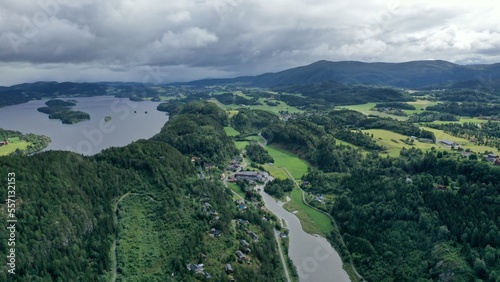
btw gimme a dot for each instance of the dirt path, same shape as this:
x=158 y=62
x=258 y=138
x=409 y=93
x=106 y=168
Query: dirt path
x=113 y=248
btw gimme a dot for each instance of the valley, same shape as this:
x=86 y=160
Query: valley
x=399 y=184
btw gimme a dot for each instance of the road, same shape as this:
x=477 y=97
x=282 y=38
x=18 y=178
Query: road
x=282 y=257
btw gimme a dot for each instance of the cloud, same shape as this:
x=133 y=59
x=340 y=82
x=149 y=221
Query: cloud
x=192 y=39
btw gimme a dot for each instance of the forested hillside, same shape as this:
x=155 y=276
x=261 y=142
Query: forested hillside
x=421 y=216
x=147 y=197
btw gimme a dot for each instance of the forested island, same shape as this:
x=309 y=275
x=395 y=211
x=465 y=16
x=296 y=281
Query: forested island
x=59 y=109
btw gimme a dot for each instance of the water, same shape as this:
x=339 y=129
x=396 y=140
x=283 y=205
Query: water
x=91 y=136
x=313 y=256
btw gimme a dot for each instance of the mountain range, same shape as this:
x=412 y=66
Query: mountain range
x=415 y=74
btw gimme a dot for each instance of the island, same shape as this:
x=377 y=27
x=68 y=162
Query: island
x=59 y=109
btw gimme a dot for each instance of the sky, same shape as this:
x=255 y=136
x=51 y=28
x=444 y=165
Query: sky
x=157 y=41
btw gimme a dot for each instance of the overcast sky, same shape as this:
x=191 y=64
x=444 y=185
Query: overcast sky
x=158 y=41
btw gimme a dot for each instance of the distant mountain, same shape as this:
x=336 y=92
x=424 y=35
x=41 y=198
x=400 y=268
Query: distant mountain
x=414 y=74
x=22 y=93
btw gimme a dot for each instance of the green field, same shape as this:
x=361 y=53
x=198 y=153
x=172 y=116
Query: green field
x=276 y=109
x=462 y=120
x=14 y=144
x=420 y=105
x=464 y=143
x=240 y=145
x=276 y=172
x=237 y=190
x=340 y=142
x=230 y=131
x=365 y=109
x=392 y=141
x=255 y=138
x=231 y=113
x=137 y=248
x=290 y=161
x=312 y=221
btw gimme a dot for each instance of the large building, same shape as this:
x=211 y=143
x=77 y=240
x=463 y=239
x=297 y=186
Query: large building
x=251 y=175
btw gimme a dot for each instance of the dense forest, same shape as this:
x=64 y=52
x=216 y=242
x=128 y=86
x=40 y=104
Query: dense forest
x=258 y=154
x=334 y=93
x=72 y=208
x=249 y=121
x=230 y=98
x=418 y=217
x=471 y=109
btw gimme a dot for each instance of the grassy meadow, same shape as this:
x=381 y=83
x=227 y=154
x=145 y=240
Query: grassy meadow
x=312 y=221
x=288 y=160
x=14 y=144
x=392 y=141
x=230 y=131
x=464 y=143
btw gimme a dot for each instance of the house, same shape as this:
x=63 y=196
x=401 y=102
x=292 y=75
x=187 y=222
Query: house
x=245 y=244
x=449 y=143
x=251 y=176
x=207 y=275
x=426 y=140
x=3 y=143
x=197 y=268
x=491 y=158
x=253 y=236
x=208 y=166
x=466 y=154
x=497 y=162
x=228 y=268
x=441 y=187
x=318 y=199
x=305 y=183
x=215 y=233
x=282 y=235
x=241 y=256
x=242 y=221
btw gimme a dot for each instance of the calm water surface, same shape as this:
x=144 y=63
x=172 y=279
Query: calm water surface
x=91 y=136
x=313 y=256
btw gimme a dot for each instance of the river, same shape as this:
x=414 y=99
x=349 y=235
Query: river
x=130 y=121
x=313 y=256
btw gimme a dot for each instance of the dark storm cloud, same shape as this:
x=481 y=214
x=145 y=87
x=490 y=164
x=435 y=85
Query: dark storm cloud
x=181 y=40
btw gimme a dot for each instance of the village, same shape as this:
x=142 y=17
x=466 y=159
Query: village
x=243 y=234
